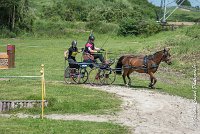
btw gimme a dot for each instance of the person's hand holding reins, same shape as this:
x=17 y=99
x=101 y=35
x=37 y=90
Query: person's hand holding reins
x=98 y=51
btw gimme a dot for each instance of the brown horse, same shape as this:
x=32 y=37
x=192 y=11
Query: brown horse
x=142 y=64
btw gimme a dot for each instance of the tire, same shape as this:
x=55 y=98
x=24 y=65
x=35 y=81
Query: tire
x=81 y=76
x=108 y=76
x=67 y=75
x=94 y=77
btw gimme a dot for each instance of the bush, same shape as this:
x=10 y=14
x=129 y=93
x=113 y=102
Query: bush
x=194 y=32
x=52 y=29
x=102 y=27
x=138 y=27
x=128 y=27
x=5 y=33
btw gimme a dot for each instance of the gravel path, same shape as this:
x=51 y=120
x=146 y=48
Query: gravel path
x=144 y=112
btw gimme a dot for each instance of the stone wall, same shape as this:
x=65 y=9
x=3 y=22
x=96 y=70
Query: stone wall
x=6 y=105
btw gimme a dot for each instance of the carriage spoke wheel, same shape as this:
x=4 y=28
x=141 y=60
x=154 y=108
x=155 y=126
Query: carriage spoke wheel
x=81 y=76
x=94 y=76
x=108 y=76
x=68 y=75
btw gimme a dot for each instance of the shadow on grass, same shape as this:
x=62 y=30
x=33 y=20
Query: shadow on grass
x=138 y=87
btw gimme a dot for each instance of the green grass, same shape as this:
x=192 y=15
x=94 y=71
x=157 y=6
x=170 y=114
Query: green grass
x=62 y=98
x=32 y=52
x=33 y=126
x=183 y=15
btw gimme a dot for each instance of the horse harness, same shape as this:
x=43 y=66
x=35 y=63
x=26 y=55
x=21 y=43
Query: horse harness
x=146 y=60
x=145 y=66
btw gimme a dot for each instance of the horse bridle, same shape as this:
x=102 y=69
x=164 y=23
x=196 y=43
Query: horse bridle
x=165 y=54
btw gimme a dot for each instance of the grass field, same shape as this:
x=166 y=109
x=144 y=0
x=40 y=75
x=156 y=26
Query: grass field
x=184 y=15
x=32 y=52
x=33 y=126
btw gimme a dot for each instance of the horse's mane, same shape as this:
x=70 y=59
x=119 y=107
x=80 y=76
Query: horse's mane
x=152 y=55
x=133 y=56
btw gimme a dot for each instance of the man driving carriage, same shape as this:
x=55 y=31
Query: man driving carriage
x=91 y=53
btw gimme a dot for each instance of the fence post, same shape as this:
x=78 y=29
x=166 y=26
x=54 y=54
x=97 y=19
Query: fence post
x=43 y=88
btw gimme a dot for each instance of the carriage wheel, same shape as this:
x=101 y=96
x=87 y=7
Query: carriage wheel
x=94 y=76
x=68 y=75
x=108 y=76
x=81 y=76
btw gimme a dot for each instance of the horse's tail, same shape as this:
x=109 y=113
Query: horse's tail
x=119 y=64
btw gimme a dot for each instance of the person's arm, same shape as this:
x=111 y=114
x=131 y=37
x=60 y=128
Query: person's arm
x=79 y=51
x=96 y=48
x=92 y=51
x=66 y=54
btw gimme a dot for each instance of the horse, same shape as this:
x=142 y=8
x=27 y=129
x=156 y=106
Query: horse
x=142 y=64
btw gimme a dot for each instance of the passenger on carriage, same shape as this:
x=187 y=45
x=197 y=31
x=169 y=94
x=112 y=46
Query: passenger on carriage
x=71 y=53
x=91 y=53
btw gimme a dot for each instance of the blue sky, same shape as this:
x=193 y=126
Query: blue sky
x=157 y=2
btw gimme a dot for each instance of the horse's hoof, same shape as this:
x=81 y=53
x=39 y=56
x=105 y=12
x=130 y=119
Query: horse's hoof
x=127 y=85
x=151 y=86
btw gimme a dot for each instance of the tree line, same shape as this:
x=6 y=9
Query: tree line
x=17 y=15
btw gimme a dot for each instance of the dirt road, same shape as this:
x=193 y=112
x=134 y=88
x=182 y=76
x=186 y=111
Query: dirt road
x=147 y=111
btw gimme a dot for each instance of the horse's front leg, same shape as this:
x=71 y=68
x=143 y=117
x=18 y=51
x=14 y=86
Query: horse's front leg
x=153 y=80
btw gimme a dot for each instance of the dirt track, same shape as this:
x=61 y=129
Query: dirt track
x=145 y=112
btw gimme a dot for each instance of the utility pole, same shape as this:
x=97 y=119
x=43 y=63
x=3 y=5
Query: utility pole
x=166 y=13
x=165 y=9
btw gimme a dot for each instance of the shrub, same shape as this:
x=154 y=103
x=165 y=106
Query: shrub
x=128 y=27
x=52 y=29
x=5 y=33
x=138 y=26
x=102 y=27
x=194 y=32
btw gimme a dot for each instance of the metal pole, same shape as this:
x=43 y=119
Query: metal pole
x=175 y=9
x=165 y=9
x=164 y=5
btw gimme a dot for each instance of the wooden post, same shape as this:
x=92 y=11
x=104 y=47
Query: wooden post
x=11 y=55
x=43 y=89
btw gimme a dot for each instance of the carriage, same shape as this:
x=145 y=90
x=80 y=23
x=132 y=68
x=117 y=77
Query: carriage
x=92 y=73
x=76 y=75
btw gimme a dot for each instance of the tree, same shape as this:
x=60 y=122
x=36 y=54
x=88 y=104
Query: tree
x=185 y=3
x=15 y=14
